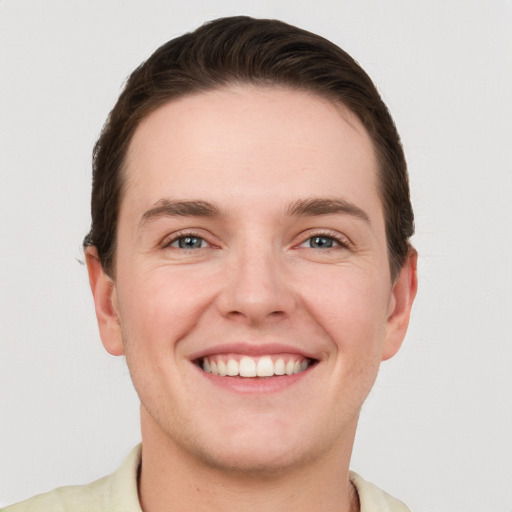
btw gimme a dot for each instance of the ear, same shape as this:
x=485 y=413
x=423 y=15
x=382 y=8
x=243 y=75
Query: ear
x=400 y=304
x=104 y=293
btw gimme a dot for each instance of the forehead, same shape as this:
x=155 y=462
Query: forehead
x=246 y=141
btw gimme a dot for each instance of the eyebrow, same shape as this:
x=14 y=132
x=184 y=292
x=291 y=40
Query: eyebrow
x=326 y=206
x=172 y=208
x=302 y=207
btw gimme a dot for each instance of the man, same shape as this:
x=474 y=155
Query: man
x=249 y=255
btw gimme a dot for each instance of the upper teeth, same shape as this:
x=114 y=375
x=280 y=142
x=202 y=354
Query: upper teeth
x=251 y=367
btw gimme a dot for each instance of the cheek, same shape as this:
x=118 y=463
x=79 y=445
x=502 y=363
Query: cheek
x=156 y=310
x=161 y=306
x=350 y=310
x=350 y=305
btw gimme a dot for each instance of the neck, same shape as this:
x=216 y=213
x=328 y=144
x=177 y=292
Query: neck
x=173 y=479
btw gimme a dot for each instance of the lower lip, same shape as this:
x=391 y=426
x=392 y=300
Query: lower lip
x=256 y=385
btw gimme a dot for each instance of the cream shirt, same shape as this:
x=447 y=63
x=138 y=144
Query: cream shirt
x=118 y=493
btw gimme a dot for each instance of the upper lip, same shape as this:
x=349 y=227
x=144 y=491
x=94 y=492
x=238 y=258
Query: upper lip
x=252 y=349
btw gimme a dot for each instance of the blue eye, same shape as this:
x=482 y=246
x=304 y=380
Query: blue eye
x=321 y=242
x=324 y=241
x=189 y=242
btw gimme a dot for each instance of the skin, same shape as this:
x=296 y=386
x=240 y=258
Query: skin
x=257 y=281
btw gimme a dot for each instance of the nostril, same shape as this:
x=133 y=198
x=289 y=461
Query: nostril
x=254 y=316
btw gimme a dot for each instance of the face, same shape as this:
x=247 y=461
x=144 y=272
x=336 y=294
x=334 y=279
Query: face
x=252 y=296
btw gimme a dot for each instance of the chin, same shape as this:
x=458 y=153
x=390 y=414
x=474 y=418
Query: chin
x=267 y=449
x=257 y=460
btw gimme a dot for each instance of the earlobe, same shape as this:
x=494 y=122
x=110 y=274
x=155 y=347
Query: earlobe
x=401 y=300
x=104 y=295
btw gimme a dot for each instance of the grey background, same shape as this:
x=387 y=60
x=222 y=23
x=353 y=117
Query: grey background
x=436 y=430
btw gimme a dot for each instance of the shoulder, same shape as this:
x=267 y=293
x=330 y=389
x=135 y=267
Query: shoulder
x=373 y=499
x=117 y=491
x=70 y=498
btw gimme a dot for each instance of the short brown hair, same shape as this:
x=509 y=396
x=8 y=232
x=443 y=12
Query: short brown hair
x=260 y=52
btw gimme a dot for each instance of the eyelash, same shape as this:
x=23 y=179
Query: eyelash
x=340 y=241
x=176 y=237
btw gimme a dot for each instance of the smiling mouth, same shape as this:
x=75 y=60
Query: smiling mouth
x=251 y=367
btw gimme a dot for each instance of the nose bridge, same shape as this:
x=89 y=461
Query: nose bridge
x=256 y=287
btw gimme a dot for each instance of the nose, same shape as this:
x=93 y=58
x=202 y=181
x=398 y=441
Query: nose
x=257 y=288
